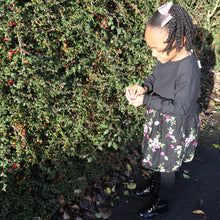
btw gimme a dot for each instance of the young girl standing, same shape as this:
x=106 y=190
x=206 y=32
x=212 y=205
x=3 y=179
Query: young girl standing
x=171 y=95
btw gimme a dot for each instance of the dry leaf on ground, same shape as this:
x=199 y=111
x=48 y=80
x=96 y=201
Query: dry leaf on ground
x=199 y=212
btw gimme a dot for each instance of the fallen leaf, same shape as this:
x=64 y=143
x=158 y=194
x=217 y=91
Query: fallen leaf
x=129 y=169
x=98 y=215
x=66 y=216
x=131 y=186
x=185 y=176
x=186 y=171
x=77 y=191
x=127 y=173
x=216 y=145
x=105 y=213
x=216 y=100
x=108 y=191
x=126 y=193
x=211 y=102
x=76 y=207
x=89 y=159
x=199 y=212
x=113 y=188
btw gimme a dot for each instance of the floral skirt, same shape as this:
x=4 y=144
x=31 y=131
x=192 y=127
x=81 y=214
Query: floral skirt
x=168 y=140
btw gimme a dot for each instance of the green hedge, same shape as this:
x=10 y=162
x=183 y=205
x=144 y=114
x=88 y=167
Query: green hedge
x=64 y=67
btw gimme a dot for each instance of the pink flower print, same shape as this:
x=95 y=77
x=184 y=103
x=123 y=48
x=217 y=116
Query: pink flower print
x=149 y=111
x=194 y=143
x=148 y=137
x=148 y=125
x=146 y=161
x=182 y=142
x=167 y=116
x=145 y=132
x=155 y=147
x=168 y=135
x=160 y=120
x=162 y=153
x=172 y=146
x=199 y=121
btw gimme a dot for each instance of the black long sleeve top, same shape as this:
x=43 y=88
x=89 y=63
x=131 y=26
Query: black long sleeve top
x=174 y=87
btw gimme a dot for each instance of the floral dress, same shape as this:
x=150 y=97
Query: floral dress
x=172 y=123
x=168 y=141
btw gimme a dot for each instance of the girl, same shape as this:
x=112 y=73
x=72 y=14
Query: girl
x=171 y=96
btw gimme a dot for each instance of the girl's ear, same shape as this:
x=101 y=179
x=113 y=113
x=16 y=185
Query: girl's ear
x=184 y=41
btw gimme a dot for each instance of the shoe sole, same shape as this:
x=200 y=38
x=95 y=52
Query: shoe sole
x=155 y=217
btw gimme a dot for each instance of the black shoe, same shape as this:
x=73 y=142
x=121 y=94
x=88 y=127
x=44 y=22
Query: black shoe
x=157 y=208
x=148 y=190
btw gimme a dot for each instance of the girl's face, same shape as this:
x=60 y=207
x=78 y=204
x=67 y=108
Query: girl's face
x=155 y=38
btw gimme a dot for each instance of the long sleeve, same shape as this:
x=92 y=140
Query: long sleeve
x=149 y=82
x=186 y=93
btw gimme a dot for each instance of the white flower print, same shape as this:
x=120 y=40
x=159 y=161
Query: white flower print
x=156 y=123
x=145 y=129
x=155 y=144
x=161 y=168
x=179 y=149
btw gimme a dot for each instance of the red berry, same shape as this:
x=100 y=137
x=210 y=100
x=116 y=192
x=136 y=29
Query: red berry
x=14 y=166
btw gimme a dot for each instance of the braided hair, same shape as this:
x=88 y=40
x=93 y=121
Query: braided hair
x=179 y=26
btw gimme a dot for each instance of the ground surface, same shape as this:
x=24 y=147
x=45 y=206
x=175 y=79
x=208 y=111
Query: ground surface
x=200 y=192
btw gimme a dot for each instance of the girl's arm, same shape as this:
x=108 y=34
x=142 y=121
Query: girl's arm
x=186 y=94
x=149 y=83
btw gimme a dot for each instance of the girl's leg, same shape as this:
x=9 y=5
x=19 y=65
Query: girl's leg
x=151 y=186
x=160 y=205
x=167 y=181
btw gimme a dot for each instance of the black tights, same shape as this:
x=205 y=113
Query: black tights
x=166 y=183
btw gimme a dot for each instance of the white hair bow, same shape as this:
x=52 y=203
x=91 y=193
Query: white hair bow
x=164 y=10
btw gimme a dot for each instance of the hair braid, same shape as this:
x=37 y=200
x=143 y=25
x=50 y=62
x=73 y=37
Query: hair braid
x=180 y=27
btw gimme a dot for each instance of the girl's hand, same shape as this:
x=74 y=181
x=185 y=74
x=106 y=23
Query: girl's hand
x=134 y=91
x=138 y=101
